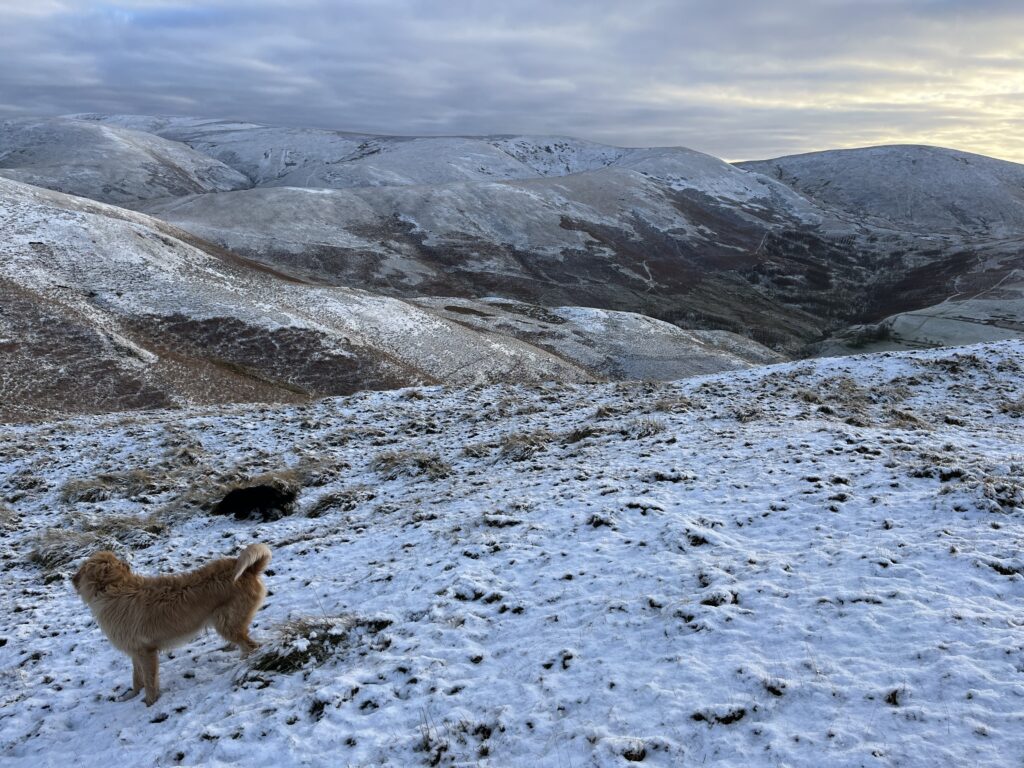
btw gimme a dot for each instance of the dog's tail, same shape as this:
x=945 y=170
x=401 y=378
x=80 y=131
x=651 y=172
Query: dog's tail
x=254 y=559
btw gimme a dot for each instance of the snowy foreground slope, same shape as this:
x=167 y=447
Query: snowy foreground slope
x=811 y=564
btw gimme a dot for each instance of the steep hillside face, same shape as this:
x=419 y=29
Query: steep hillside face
x=107 y=309
x=987 y=306
x=613 y=238
x=917 y=188
x=107 y=163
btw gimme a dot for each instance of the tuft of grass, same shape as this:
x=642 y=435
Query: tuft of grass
x=9 y=519
x=1003 y=493
x=641 y=428
x=807 y=395
x=581 y=433
x=746 y=414
x=906 y=420
x=678 y=404
x=344 y=500
x=308 y=640
x=477 y=450
x=524 y=445
x=112 y=485
x=394 y=464
x=56 y=548
x=1014 y=408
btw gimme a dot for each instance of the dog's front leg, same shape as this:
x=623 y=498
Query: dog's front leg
x=137 y=682
x=150 y=676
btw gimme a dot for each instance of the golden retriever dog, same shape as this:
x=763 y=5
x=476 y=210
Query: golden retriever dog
x=142 y=615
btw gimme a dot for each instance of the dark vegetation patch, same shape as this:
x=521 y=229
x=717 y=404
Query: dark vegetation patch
x=261 y=502
x=466 y=311
x=310 y=641
x=727 y=718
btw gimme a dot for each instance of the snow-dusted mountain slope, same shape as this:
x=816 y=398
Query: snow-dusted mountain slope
x=810 y=564
x=618 y=345
x=786 y=251
x=967 y=318
x=107 y=163
x=919 y=188
x=611 y=238
x=106 y=309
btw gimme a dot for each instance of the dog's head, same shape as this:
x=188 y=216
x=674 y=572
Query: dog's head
x=98 y=573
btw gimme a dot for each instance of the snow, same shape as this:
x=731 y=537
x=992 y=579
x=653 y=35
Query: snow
x=106 y=162
x=815 y=563
x=106 y=269
x=917 y=188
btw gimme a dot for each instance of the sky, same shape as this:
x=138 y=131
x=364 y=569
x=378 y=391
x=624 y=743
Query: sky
x=738 y=79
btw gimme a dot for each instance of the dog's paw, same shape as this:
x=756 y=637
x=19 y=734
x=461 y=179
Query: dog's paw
x=131 y=693
x=151 y=701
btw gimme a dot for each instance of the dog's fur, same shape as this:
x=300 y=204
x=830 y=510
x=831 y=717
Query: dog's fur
x=143 y=615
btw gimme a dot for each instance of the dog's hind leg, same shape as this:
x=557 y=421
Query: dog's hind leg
x=150 y=675
x=233 y=627
x=137 y=682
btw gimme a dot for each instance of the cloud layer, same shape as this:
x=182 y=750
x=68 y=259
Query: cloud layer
x=735 y=78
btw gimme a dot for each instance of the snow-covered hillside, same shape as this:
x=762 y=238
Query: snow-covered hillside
x=107 y=309
x=811 y=564
x=107 y=163
x=923 y=189
x=785 y=251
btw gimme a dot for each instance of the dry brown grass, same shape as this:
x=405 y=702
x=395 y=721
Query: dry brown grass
x=641 y=428
x=394 y=464
x=1014 y=408
x=55 y=548
x=9 y=519
x=524 y=445
x=678 y=404
x=344 y=500
x=113 y=485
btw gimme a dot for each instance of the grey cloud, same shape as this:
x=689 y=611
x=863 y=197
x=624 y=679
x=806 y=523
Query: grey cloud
x=737 y=79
